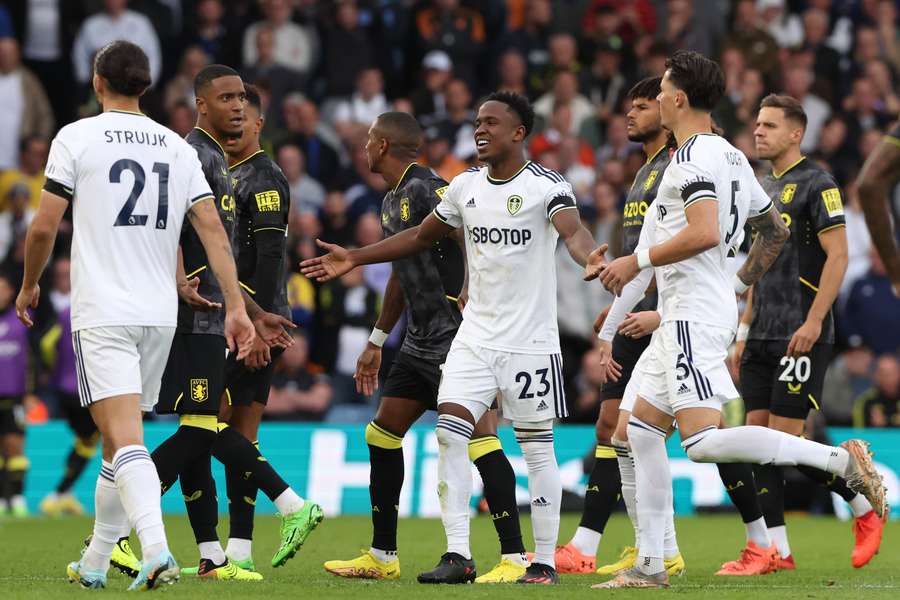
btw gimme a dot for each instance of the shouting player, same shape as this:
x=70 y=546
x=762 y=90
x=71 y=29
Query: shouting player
x=513 y=212
x=788 y=327
x=612 y=454
x=124 y=300
x=707 y=194
x=428 y=285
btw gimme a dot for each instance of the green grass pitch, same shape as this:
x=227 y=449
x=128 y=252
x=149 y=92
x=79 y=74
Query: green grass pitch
x=35 y=552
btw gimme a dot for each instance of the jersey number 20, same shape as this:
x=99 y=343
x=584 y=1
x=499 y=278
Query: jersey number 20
x=126 y=217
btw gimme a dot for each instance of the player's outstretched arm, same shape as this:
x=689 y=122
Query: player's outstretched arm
x=406 y=243
x=239 y=331
x=579 y=242
x=834 y=243
x=879 y=175
x=771 y=235
x=38 y=245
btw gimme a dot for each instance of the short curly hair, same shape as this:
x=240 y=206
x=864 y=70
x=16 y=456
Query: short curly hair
x=698 y=77
x=517 y=103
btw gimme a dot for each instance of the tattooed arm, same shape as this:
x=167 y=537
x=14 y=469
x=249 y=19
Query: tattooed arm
x=771 y=235
x=879 y=175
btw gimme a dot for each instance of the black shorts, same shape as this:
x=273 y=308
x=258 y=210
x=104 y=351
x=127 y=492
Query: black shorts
x=12 y=415
x=78 y=417
x=785 y=386
x=413 y=378
x=626 y=351
x=193 y=381
x=244 y=386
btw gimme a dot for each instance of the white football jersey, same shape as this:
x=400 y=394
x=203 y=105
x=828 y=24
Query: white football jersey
x=510 y=247
x=131 y=182
x=701 y=289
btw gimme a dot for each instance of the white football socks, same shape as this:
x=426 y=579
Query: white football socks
x=110 y=522
x=758 y=533
x=860 y=506
x=626 y=472
x=779 y=537
x=586 y=540
x=212 y=551
x=654 y=492
x=545 y=488
x=455 y=480
x=288 y=502
x=138 y=483
x=239 y=549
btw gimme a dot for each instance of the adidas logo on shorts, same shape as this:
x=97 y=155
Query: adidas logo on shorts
x=684 y=389
x=542 y=406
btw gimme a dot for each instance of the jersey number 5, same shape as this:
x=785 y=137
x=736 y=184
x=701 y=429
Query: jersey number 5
x=735 y=188
x=126 y=217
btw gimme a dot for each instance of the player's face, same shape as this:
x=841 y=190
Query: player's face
x=643 y=121
x=497 y=129
x=253 y=123
x=774 y=134
x=666 y=99
x=223 y=105
x=374 y=152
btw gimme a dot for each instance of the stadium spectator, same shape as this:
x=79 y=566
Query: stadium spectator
x=438 y=155
x=748 y=35
x=558 y=127
x=211 y=33
x=604 y=84
x=617 y=145
x=619 y=22
x=32 y=159
x=459 y=122
x=271 y=76
x=116 y=22
x=429 y=98
x=863 y=110
x=296 y=46
x=798 y=83
x=181 y=118
x=457 y=30
x=26 y=111
x=827 y=60
x=296 y=393
x=364 y=106
x=61 y=293
x=511 y=71
x=888 y=36
x=317 y=141
x=784 y=27
x=872 y=313
x=347 y=49
x=879 y=73
x=858 y=242
x=687 y=28
x=335 y=223
x=835 y=151
x=737 y=111
x=6 y=24
x=530 y=41
x=14 y=222
x=307 y=194
x=565 y=91
x=180 y=88
x=570 y=153
x=880 y=405
x=846 y=378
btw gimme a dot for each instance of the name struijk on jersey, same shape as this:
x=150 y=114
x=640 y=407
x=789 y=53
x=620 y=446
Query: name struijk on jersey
x=120 y=136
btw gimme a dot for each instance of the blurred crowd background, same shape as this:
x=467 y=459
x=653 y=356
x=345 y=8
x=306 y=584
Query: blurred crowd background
x=328 y=68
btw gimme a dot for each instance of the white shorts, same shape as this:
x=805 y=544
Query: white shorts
x=114 y=361
x=530 y=385
x=631 y=388
x=685 y=367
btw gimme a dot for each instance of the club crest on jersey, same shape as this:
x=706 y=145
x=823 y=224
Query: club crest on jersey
x=404 y=209
x=787 y=193
x=199 y=390
x=513 y=204
x=650 y=179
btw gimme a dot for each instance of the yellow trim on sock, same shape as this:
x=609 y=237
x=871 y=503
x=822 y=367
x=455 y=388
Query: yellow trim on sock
x=603 y=451
x=86 y=449
x=207 y=422
x=378 y=437
x=17 y=463
x=482 y=446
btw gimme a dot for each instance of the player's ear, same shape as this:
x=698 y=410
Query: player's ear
x=201 y=105
x=519 y=133
x=97 y=83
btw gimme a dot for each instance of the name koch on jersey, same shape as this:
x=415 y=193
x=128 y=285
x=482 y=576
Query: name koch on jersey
x=705 y=167
x=129 y=196
x=510 y=249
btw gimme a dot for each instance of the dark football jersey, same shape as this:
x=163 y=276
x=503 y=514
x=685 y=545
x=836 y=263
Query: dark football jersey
x=262 y=200
x=642 y=193
x=431 y=280
x=215 y=168
x=810 y=203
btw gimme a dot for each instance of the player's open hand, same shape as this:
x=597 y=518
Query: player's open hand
x=27 y=298
x=637 y=325
x=618 y=273
x=601 y=319
x=595 y=262
x=273 y=329
x=330 y=266
x=260 y=355
x=611 y=369
x=187 y=291
x=803 y=339
x=367 y=366
x=239 y=332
